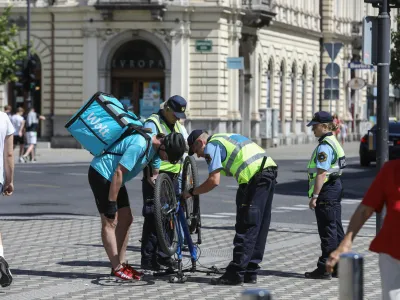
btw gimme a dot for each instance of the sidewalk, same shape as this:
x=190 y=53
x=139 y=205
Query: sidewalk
x=62 y=258
x=302 y=151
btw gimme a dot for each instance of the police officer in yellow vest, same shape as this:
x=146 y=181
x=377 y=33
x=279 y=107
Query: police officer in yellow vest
x=165 y=121
x=325 y=189
x=236 y=155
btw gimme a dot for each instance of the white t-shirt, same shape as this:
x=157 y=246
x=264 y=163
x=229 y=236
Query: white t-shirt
x=17 y=120
x=6 y=129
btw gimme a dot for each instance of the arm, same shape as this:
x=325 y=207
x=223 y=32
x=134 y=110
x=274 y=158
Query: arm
x=116 y=183
x=211 y=182
x=319 y=181
x=152 y=179
x=42 y=118
x=22 y=128
x=9 y=165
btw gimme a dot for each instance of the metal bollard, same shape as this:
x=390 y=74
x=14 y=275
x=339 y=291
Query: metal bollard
x=256 y=294
x=351 y=277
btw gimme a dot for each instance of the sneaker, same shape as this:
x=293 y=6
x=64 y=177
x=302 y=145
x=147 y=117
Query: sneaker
x=123 y=273
x=21 y=159
x=135 y=274
x=6 y=276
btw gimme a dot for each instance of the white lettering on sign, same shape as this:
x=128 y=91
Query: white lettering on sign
x=138 y=64
x=102 y=128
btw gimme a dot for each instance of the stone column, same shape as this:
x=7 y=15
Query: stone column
x=180 y=60
x=90 y=61
x=233 y=78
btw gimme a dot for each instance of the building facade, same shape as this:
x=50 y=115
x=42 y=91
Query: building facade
x=140 y=50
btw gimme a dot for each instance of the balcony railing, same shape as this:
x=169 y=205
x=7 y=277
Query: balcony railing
x=259 y=12
x=129 y=4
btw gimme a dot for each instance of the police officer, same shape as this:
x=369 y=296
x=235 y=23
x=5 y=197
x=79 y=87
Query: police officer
x=325 y=189
x=165 y=121
x=236 y=155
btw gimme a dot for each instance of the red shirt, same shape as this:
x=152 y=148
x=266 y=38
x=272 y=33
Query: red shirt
x=386 y=190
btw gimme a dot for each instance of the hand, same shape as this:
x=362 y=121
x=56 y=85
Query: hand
x=111 y=210
x=335 y=256
x=20 y=134
x=186 y=195
x=313 y=203
x=8 y=189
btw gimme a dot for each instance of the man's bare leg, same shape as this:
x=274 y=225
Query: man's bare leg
x=109 y=240
x=122 y=231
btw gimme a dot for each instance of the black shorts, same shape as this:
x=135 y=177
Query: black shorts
x=18 y=140
x=101 y=187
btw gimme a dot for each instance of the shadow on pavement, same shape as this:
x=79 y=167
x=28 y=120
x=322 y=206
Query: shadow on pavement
x=280 y=274
x=129 y=248
x=108 y=281
x=65 y=275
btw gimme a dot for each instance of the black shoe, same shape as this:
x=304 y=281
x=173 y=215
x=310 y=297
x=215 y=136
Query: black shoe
x=150 y=266
x=335 y=274
x=6 y=276
x=250 y=279
x=225 y=281
x=318 y=274
x=168 y=262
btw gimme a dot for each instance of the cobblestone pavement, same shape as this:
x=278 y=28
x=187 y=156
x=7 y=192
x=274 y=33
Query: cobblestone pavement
x=61 y=257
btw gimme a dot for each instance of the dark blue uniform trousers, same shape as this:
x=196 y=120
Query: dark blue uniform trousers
x=149 y=246
x=252 y=224
x=329 y=219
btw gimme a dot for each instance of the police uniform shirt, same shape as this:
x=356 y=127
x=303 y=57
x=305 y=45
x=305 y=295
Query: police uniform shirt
x=324 y=157
x=214 y=154
x=153 y=127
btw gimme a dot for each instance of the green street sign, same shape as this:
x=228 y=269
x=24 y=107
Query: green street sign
x=203 y=46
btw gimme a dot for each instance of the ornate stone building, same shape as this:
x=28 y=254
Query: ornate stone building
x=151 y=49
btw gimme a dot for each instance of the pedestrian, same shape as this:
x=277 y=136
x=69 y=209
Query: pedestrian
x=325 y=189
x=384 y=191
x=32 y=126
x=7 y=110
x=343 y=132
x=256 y=172
x=6 y=183
x=166 y=120
x=108 y=175
x=337 y=122
x=18 y=122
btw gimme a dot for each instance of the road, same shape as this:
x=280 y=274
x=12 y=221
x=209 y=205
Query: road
x=63 y=189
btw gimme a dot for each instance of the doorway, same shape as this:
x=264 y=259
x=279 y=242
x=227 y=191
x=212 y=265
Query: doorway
x=133 y=91
x=138 y=77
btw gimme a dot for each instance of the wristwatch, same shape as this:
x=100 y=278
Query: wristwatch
x=314 y=196
x=191 y=192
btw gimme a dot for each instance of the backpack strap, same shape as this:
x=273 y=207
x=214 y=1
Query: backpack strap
x=133 y=129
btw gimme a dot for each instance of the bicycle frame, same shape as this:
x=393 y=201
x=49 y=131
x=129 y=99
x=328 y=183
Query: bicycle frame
x=182 y=224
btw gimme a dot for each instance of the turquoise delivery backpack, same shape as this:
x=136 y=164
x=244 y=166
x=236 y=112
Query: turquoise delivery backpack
x=102 y=122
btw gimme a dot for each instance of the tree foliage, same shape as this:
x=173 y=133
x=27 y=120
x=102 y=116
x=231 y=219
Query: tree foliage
x=10 y=51
x=395 y=56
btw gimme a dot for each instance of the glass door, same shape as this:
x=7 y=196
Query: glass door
x=123 y=90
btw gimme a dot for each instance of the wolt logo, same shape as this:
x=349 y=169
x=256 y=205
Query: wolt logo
x=102 y=128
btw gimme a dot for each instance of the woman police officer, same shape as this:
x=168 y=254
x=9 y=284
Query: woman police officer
x=325 y=189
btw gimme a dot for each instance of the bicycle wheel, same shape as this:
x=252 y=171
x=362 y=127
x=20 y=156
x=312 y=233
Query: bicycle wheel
x=165 y=205
x=192 y=205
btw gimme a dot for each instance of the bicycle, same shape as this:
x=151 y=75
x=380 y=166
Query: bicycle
x=172 y=216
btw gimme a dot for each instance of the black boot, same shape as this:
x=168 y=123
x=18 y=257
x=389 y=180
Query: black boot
x=225 y=280
x=318 y=274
